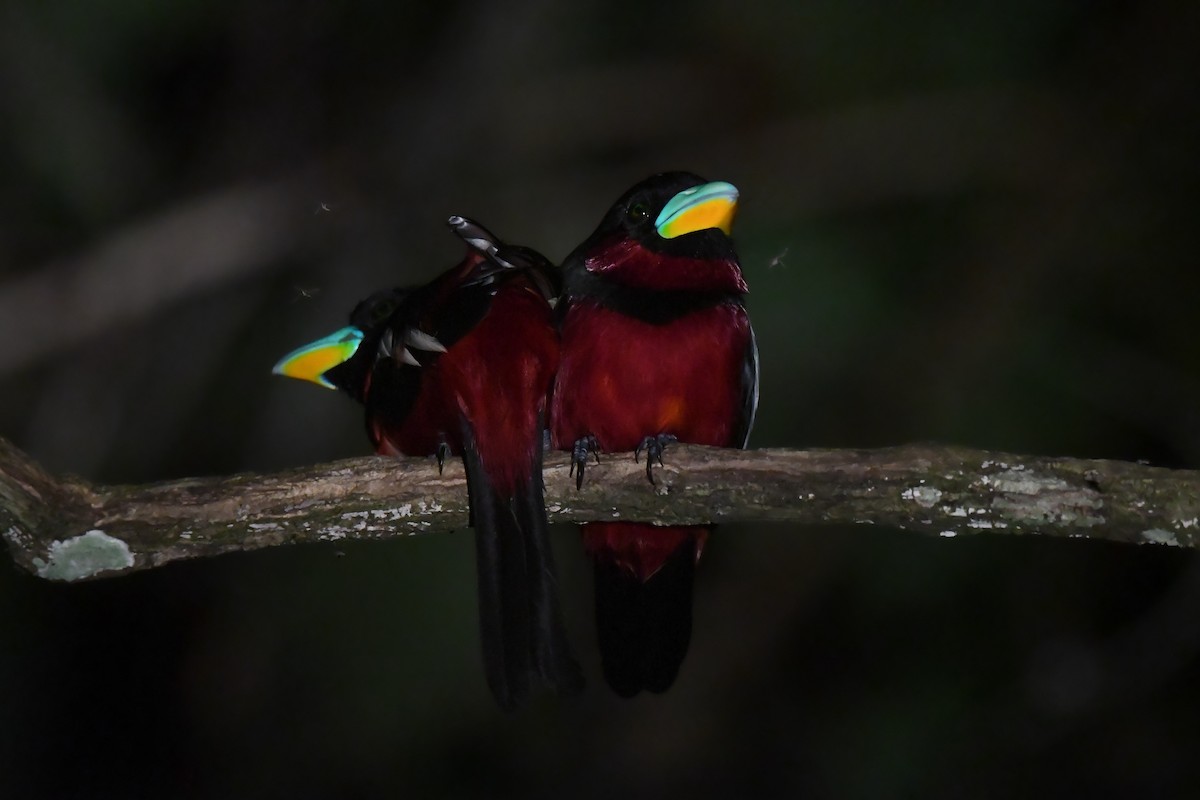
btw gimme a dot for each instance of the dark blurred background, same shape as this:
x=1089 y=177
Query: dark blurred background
x=970 y=223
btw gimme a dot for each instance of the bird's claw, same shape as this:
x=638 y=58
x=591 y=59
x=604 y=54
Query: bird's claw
x=654 y=447
x=579 y=457
x=443 y=451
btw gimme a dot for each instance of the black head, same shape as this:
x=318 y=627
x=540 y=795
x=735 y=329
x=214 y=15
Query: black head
x=371 y=317
x=669 y=232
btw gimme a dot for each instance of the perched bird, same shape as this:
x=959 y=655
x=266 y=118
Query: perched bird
x=464 y=365
x=656 y=347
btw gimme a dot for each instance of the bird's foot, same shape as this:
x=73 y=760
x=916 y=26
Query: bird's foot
x=654 y=447
x=443 y=451
x=579 y=457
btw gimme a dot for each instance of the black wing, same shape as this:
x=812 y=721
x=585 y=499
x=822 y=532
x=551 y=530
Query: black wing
x=749 y=405
x=505 y=258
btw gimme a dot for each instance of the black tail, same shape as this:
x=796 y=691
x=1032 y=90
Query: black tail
x=644 y=627
x=520 y=619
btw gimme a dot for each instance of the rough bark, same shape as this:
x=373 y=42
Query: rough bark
x=63 y=528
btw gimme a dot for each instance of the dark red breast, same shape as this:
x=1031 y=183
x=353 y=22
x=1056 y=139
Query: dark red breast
x=682 y=378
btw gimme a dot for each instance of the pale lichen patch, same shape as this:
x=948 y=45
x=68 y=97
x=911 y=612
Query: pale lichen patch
x=17 y=537
x=924 y=496
x=392 y=514
x=1159 y=536
x=1027 y=496
x=84 y=556
x=1011 y=482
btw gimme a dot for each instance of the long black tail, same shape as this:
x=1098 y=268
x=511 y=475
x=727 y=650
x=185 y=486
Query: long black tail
x=520 y=618
x=643 y=627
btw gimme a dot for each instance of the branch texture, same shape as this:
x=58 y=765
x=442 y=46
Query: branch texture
x=68 y=529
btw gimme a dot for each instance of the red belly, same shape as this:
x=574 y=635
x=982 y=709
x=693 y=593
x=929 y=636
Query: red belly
x=622 y=379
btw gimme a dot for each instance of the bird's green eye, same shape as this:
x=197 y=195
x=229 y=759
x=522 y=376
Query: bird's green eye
x=381 y=311
x=638 y=212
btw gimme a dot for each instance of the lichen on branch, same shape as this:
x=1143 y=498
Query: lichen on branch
x=68 y=529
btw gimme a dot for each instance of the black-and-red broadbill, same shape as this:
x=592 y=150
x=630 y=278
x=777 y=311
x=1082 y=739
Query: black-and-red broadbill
x=656 y=347
x=464 y=365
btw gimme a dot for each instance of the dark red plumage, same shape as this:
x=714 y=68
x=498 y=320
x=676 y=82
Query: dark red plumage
x=622 y=378
x=496 y=376
x=464 y=365
x=656 y=343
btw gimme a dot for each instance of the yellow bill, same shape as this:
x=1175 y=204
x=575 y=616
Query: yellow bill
x=312 y=361
x=710 y=205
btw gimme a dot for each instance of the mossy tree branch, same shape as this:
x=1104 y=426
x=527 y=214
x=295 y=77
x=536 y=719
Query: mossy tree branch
x=68 y=529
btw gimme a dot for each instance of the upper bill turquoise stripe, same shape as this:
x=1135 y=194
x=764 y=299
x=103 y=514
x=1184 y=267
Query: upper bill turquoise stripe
x=690 y=198
x=311 y=361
